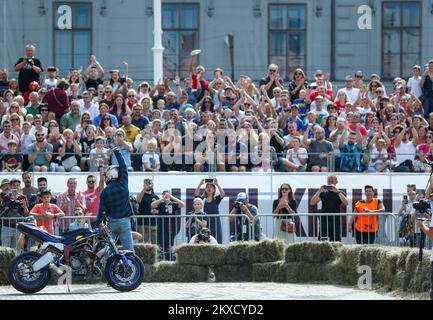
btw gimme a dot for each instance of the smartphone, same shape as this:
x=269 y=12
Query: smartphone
x=208 y=180
x=405 y=199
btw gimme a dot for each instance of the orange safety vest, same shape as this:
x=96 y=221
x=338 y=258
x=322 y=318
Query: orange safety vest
x=368 y=222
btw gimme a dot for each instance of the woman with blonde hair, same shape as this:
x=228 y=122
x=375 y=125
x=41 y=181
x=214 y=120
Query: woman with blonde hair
x=69 y=153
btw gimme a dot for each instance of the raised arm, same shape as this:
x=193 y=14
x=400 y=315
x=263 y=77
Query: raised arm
x=123 y=170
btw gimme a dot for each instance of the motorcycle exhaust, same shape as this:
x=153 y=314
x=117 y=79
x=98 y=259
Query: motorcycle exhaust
x=43 y=261
x=56 y=269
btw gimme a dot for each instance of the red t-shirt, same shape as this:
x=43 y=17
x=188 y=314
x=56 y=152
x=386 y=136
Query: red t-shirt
x=92 y=201
x=205 y=84
x=45 y=224
x=362 y=129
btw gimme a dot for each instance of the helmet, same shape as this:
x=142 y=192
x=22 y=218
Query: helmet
x=112 y=173
x=34 y=86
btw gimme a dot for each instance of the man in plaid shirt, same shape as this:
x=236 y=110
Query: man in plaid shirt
x=114 y=202
x=69 y=201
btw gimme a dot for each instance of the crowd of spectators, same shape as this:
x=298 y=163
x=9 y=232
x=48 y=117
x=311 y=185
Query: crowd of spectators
x=68 y=125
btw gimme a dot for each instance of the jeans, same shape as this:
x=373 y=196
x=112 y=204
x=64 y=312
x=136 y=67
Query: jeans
x=9 y=237
x=122 y=228
x=427 y=106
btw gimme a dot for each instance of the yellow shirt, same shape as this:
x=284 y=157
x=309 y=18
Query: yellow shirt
x=130 y=133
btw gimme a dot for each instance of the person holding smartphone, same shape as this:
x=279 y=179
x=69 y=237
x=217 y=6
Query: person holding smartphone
x=332 y=200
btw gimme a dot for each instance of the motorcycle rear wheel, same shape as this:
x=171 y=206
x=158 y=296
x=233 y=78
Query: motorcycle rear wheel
x=27 y=282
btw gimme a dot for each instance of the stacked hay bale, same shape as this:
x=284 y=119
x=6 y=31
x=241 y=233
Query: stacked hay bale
x=6 y=255
x=304 y=262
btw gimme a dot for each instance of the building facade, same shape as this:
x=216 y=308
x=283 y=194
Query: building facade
x=242 y=36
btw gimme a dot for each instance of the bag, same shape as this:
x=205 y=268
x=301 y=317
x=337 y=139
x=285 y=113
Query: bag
x=69 y=163
x=288 y=226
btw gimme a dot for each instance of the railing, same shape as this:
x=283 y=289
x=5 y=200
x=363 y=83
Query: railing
x=170 y=230
x=215 y=161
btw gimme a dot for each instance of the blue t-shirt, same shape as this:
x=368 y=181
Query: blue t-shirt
x=141 y=123
x=40 y=159
x=303 y=107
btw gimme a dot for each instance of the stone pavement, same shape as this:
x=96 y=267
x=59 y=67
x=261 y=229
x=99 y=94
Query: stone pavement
x=199 y=291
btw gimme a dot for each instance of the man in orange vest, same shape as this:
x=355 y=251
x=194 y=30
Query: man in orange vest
x=366 y=224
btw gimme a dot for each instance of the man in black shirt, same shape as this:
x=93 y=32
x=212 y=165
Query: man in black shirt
x=144 y=200
x=91 y=74
x=29 y=69
x=332 y=199
x=271 y=81
x=4 y=82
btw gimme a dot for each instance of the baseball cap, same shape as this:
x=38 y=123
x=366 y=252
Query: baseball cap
x=241 y=196
x=166 y=190
x=4 y=181
x=15 y=180
x=294 y=106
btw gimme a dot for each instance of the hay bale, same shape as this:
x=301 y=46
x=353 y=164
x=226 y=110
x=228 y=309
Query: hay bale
x=233 y=273
x=401 y=262
x=200 y=254
x=148 y=253
x=6 y=256
x=247 y=253
x=4 y=277
x=312 y=252
x=420 y=276
x=238 y=253
x=268 y=272
x=175 y=272
x=267 y=251
x=349 y=256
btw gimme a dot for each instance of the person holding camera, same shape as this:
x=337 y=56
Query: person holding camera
x=196 y=219
x=168 y=225
x=29 y=68
x=429 y=233
x=240 y=208
x=144 y=200
x=203 y=237
x=13 y=205
x=211 y=204
x=406 y=225
x=332 y=199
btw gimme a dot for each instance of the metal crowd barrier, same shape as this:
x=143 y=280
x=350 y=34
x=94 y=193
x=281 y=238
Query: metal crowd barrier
x=164 y=230
x=169 y=230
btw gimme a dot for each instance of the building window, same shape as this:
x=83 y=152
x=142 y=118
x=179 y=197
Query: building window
x=401 y=37
x=72 y=46
x=180 y=25
x=287 y=37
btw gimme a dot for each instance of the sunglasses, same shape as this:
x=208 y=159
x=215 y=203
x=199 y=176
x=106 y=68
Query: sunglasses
x=272 y=70
x=44 y=110
x=119 y=135
x=285 y=189
x=173 y=115
x=360 y=77
x=91 y=181
x=131 y=96
x=40 y=135
x=108 y=91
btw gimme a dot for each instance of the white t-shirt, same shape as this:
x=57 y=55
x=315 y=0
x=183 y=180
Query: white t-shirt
x=405 y=151
x=352 y=94
x=50 y=84
x=374 y=153
x=414 y=86
x=291 y=156
x=93 y=109
x=212 y=240
x=151 y=159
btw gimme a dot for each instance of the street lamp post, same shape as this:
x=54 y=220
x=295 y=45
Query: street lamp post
x=158 y=49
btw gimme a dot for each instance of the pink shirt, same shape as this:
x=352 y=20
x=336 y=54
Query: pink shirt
x=4 y=142
x=362 y=129
x=92 y=201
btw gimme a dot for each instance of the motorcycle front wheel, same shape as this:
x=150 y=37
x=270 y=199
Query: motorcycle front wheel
x=21 y=276
x=124 y=277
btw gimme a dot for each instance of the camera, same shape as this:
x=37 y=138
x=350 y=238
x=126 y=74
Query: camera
x=238 y=205
x=327 y=188
x=422 y=206
x=29 y=61
x=202 y=238
x=208 y=180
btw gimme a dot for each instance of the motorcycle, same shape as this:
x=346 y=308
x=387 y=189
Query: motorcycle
x=88 y=253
